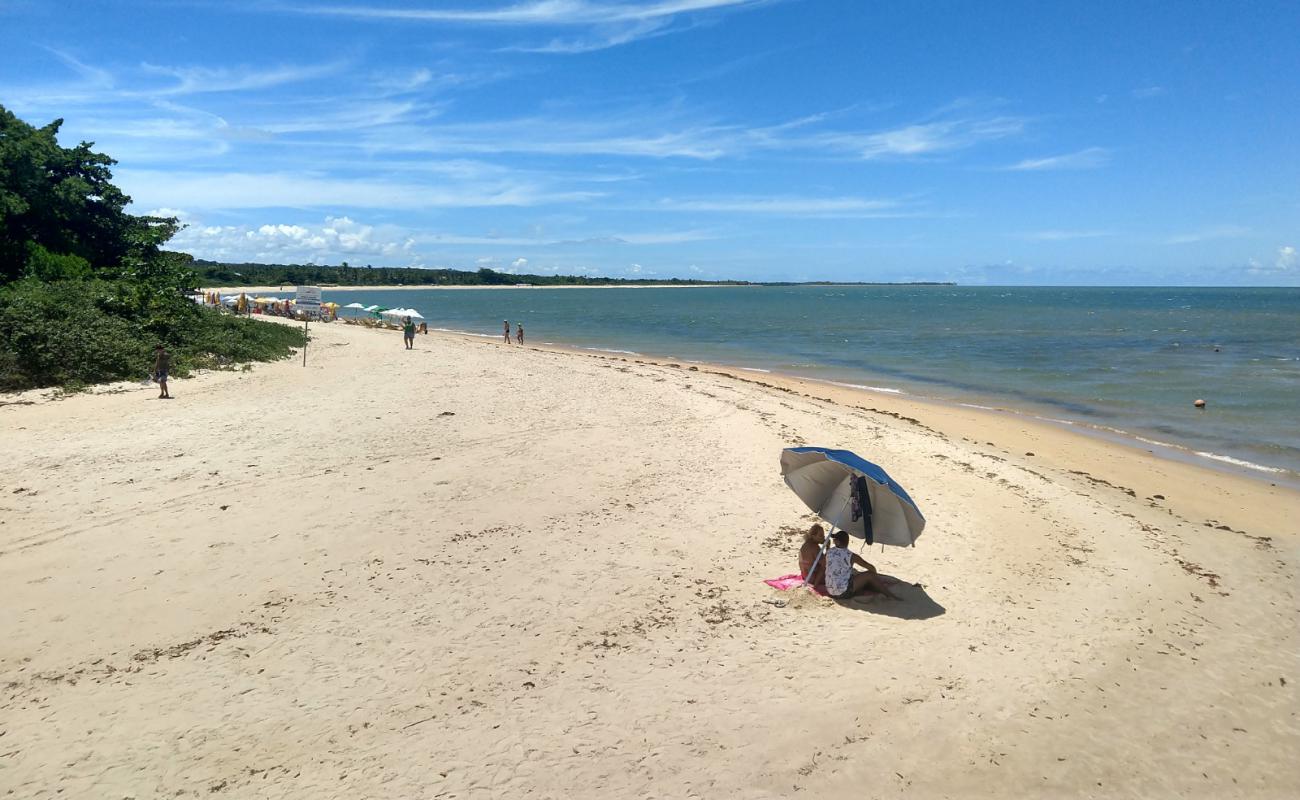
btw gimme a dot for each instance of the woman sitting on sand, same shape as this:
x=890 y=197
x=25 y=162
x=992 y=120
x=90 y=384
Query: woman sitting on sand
x=812 y=545
x=841 y=583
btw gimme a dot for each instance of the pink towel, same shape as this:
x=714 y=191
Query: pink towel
x=787 y=582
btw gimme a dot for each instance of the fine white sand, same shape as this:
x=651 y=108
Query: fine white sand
x=472 y=570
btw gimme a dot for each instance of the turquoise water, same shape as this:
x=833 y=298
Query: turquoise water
x=1127 y=360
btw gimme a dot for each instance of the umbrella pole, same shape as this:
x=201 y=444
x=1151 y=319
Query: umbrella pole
x=826 y=545
x=825 y=542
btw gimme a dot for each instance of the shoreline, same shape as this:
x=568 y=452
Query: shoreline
x=428 y=286
x=1215 y=463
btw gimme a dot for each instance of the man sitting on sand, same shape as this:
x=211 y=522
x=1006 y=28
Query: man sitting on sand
x=841 y=583
x=812 y=545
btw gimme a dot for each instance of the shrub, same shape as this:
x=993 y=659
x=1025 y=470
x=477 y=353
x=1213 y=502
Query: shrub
x=69 y=333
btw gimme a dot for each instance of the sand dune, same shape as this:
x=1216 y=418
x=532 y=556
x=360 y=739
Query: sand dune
x=470 y=570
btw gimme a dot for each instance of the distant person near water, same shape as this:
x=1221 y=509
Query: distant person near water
x=408 y=333
x=841 y=583
x=507 y=331
x=162 y=362
x=519 y=333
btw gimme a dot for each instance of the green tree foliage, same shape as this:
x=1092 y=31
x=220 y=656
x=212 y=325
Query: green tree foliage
x=85 y=290
x=72 y=333
x=62 y=199
x=212 y=273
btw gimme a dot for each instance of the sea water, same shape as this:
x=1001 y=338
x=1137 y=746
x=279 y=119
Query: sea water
x=1128 y=361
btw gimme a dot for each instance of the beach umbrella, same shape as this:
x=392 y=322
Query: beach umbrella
x=852 y=494
x=355 y=305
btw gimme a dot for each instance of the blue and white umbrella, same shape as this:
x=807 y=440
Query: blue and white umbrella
x=852 y=494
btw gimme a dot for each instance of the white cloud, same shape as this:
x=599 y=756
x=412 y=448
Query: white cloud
x=1287 y=260
x=1206 y=234
x=792 y=206
x=1285 y=265
x=1147 y=92
x=643 y=29
x=1087 y=158
x=519 y=263
x=536 y=12
x=337 y=238
x=1061 y=235
x=232 y=190
x=611 y=24
x=928 y=138
x=200 y=80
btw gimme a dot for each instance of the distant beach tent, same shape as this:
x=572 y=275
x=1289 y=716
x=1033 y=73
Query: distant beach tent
x=398 y=313
x=852 y=494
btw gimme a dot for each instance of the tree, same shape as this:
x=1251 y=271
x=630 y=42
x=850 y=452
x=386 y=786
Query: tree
x=62 y=200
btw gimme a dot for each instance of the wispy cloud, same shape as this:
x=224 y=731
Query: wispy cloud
x=609 y=24
x=95 y=76
x=246 y=190
x=604 y=38
x=928 y=138
x=1147 y=92
x=200 y=80
x=1207 y=234
x=790 y=206
x=1088 y=158
x=1061 y=235
x=645 y=238
x=537 y=12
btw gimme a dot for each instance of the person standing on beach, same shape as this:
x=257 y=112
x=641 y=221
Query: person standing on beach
x=408 y=333
x=507 y=333
x=519 y=333
x=162 y=362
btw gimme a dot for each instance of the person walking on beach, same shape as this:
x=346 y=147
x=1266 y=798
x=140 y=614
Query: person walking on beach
x=162 y=362
x=841 y=583
x=408 y=333
x=507 y=333
x=519 y=333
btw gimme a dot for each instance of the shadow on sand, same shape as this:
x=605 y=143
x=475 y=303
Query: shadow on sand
x=915 y=603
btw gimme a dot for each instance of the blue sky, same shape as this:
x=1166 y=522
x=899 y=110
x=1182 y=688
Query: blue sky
x=1001 y=143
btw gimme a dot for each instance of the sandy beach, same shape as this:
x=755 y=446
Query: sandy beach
x=472 y=570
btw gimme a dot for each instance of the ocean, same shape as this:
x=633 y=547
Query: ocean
x=1125 y=362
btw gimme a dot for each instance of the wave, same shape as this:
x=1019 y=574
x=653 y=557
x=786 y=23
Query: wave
x=756 y=369
x=1238 y=462
x=881 y=389
x=467 y=333
x=612 y=350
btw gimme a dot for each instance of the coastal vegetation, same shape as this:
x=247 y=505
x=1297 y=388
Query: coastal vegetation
x=212 y=273
x=86 y=289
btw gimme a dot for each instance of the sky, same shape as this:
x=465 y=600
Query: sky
x=1104 y=143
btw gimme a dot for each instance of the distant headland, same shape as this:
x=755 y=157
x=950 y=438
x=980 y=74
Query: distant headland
x=214 y=273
